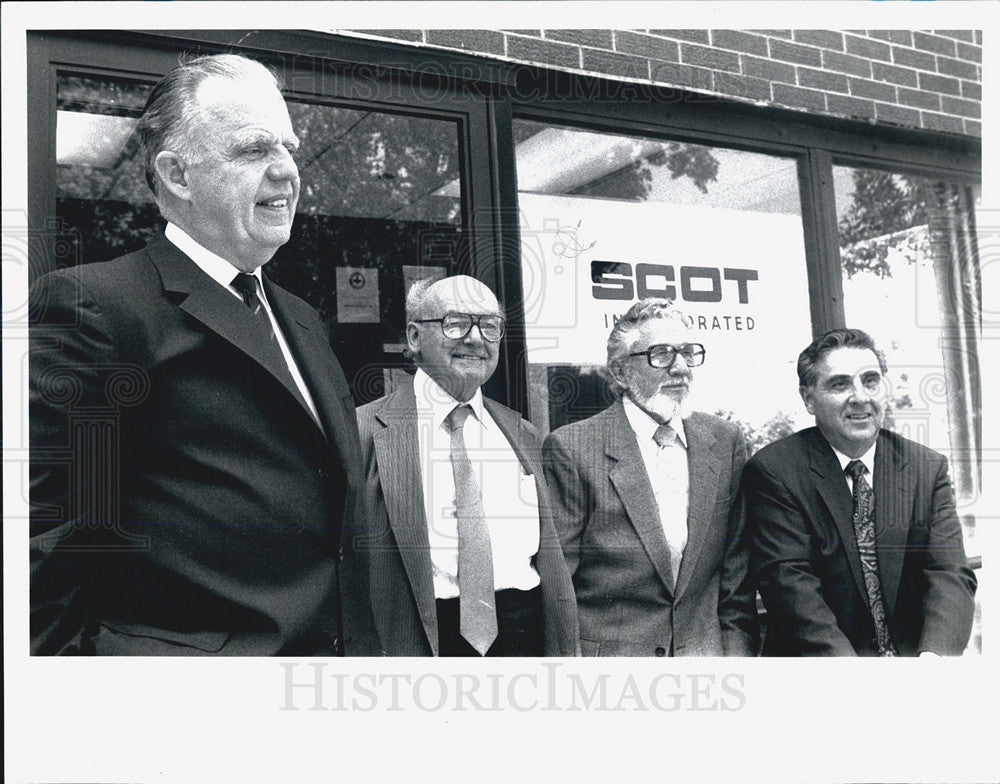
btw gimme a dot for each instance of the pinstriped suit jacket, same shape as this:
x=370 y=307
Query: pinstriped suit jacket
x=387 y=561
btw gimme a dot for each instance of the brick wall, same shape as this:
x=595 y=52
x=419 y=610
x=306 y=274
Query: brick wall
x=918 y=79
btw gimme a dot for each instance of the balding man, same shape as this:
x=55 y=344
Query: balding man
x=455 y=550
x=193 y=437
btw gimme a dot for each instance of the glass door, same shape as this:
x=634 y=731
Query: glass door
x=382 y=204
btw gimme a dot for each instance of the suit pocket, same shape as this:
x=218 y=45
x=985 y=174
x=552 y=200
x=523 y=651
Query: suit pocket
x=123 y=638
x=590 y=647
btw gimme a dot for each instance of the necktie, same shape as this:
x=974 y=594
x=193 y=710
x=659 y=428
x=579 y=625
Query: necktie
x=249 y=288
x=674 y=525
x=864 y=531
x=476 y=597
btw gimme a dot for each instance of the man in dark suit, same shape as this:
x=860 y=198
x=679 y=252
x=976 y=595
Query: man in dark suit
x=857 y=545
x=456 y=553
x=644 y=500
x=193 y=437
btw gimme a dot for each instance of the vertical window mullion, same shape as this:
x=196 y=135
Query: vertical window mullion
x=819 y=219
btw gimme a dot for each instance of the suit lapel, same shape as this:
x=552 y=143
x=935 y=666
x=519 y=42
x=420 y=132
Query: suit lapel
x=635 y=491
x=314 y=358
x=703 y=472
x=397 y=451
x=509 y=423
x=833 y=489
x=894 y=490
x=217 y=309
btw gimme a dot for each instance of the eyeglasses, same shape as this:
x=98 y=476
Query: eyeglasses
x=663 y=355
x=456 y=326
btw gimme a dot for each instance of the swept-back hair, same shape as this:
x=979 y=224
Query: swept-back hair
x=167 y=121
x=813 y=354
x=642 y=311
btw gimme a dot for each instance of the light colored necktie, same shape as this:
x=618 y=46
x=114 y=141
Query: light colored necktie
x=864 y=531
x=476 y=596
x=675 y=530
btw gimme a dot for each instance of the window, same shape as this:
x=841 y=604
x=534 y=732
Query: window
x=608 y=219
x=102 y=197
x=380 y=206
x=911 y=279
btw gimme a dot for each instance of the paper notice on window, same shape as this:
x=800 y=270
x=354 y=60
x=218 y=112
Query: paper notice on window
x=357 y=295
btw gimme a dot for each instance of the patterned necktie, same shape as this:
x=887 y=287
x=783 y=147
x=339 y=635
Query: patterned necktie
x=864 y=531
x=674 y=528
x=476 y=596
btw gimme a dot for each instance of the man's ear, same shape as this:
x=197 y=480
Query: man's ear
x=413 y=337
x=615 y=369
x=807 y=398
x=171 y=170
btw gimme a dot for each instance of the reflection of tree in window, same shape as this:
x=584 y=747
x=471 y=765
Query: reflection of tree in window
x=887 y=211
x=634 y=180
x=102 y=196
x=375 y=164
x=895 y=218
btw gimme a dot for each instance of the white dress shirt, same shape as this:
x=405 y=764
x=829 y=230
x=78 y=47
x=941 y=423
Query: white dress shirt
x=510 y=499
x=223 y=273
x=667 y=468
x=868 y=458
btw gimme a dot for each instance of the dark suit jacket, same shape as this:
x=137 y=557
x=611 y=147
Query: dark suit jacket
x=616 y=550
x=388 y=562
x=184 y=501
x=806 y=561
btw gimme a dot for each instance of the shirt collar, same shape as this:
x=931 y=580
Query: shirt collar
x=216 y=267
x=644 y=426
x=868 y=458
x=433 y=401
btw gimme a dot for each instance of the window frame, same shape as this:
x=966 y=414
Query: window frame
x=486 y=96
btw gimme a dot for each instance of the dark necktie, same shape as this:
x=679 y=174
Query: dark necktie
x=249 y=288
x=476 y=597
x=864 y=531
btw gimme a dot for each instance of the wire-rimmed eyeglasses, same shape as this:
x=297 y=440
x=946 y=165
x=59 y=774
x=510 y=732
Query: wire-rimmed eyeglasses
x=663 y=355
x=456 y=326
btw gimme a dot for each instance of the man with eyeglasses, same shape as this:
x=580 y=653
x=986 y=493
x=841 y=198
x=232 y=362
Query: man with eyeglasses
x=857 y=545
x=455 y=552
x=645 y=504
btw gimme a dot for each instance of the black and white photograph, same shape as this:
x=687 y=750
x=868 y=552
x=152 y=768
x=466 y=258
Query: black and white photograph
x=515 y=391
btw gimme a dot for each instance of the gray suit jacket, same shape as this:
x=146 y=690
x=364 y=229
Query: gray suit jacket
x=387 y=561
x=616 y=550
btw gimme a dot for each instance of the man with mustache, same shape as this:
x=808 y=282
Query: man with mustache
x=455 y=551
x=857 y=546
x=645 y=499
x=193 y=436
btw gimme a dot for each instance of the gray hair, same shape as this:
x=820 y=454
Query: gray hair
x=844 y=337
x=620 y=338
x=416 y=296
x=168 y=118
